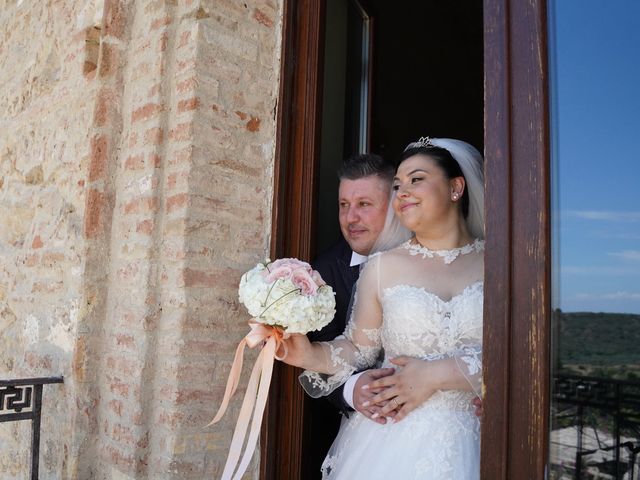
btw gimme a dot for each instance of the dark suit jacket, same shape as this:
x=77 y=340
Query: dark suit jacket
x=324 y=418
x=333 y=265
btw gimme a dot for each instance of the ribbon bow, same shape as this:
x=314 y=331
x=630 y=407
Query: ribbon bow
x=255 y=397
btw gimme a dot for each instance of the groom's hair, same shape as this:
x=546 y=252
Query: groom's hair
x=366 y=165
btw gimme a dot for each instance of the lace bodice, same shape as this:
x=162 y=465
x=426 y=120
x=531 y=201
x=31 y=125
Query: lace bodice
x=424 y=306
x=419 y=324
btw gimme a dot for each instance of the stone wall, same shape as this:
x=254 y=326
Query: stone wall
x=47 y=85
x=136 y=161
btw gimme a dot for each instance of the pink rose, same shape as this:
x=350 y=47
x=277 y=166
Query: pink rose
x=284 y=267
x=293 y=263
x=304 y=282
x=282 y=271
x=317 y=278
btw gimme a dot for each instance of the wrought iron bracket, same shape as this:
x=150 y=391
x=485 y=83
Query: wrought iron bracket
x=21 y=399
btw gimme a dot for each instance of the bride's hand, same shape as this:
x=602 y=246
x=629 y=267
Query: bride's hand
x=412 y=385
x=297 y=348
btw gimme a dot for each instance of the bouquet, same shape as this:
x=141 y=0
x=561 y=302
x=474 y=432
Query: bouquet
x=283 y=297
x=287 y=294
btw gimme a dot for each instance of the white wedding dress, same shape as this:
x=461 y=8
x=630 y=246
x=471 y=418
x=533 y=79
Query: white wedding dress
x=420 y=303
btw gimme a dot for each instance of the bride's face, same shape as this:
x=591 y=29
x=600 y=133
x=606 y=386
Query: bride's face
x=423 y=194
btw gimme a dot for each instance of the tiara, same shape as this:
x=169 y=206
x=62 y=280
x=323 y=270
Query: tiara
x=423 y=142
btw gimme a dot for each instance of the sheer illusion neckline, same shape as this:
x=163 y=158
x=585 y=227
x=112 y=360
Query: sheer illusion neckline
x=448 y=255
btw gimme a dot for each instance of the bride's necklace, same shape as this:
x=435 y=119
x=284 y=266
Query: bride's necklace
x=448 y=255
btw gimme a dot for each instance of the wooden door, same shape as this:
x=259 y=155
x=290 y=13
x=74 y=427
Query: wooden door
x=517 y=284
x=517 y=258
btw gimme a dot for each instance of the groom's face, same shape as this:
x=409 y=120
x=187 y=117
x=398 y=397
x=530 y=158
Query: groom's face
x=362 y=211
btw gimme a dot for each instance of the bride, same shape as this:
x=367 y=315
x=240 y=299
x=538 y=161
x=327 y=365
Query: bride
x=420 y=303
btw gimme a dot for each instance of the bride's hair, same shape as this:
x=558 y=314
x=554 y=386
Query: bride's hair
x=447 y=164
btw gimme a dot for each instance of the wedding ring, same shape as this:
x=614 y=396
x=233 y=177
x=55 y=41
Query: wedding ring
x=395 y=403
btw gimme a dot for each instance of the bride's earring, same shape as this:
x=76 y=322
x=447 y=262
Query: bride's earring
x=455 y=196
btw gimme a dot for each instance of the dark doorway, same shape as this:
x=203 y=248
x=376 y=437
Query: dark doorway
x=425 y=79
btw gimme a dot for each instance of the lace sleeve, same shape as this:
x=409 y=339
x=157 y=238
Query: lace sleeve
x=469 y=361
x=358 y=347
x=468 y=356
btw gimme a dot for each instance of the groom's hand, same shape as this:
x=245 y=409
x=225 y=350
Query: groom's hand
x=363 y=396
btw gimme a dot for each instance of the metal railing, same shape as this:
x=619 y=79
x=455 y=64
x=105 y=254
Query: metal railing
x=21 y=399
x=602 y=405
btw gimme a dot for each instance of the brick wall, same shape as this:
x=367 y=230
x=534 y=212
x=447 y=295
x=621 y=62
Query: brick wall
x=47 y=83
x=136 y=160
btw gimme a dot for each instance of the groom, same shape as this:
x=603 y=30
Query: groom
x=363 y=198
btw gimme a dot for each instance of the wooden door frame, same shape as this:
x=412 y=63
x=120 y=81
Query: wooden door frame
x=517 y=307
x=294 y=211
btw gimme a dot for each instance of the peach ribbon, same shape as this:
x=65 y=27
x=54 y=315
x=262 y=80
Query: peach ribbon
x=255 y=397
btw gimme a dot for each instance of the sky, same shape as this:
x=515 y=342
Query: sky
x=595 y=128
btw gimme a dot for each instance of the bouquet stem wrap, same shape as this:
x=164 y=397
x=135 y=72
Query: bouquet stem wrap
x=255 y=397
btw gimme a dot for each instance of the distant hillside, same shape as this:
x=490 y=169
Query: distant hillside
x=601 y=344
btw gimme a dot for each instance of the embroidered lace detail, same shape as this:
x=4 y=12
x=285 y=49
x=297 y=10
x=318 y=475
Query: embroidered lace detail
x=448 y=255
x=314 y=381
x=420 y=324
x=327 y=465
x=373 y=334
x=336 y=357
x=472 y=359
x=366 y=356
x=319 y=384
